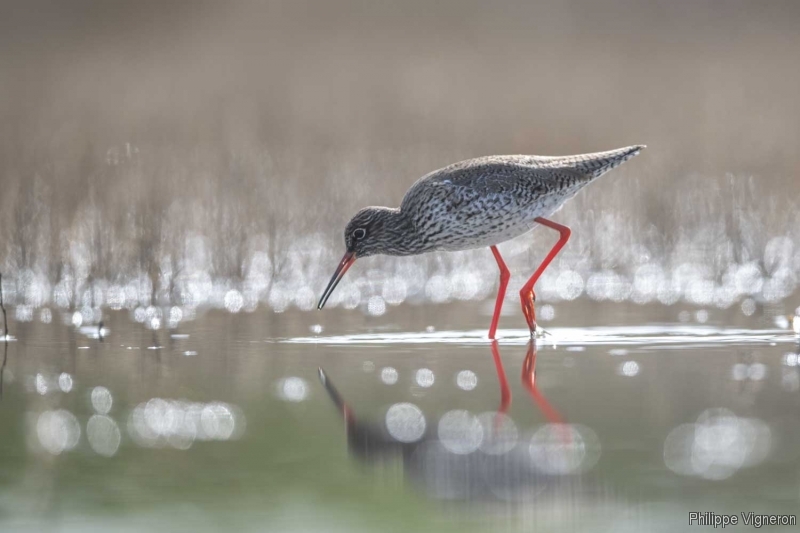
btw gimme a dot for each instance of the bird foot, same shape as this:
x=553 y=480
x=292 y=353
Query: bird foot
x=540 y=333
x=527 y=299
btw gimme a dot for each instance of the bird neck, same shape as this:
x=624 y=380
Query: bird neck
x=399 y=234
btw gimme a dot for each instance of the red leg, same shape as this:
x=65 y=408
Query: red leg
x=526 y=295
x=505 y=390
x=505 y=275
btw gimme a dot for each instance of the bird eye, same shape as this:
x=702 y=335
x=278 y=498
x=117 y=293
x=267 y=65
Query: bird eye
x=359 y=233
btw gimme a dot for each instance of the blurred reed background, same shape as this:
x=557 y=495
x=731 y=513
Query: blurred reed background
x=209 y=153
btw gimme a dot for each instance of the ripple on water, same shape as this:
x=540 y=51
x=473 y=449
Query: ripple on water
x=655 y=337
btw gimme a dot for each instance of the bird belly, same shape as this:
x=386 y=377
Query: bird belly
x=469 y=230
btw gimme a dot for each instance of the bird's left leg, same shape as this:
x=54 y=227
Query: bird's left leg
x=526 y=295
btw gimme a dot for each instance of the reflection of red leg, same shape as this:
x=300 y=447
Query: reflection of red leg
x=526 y=295
x=501 y=292
x=529 y=382
x=505 y=391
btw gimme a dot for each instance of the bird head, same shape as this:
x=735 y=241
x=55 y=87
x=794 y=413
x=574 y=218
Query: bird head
x=371 y=231
x=365 y=233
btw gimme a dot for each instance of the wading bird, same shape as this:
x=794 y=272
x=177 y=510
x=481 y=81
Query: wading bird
x=476 y=203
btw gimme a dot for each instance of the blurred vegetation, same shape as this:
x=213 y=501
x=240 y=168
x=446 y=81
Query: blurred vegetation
x=128 y=128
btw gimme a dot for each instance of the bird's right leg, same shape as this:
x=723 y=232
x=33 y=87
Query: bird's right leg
x=505 y=275
x=527 y=295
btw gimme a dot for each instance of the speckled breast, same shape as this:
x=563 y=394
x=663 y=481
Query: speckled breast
x=473 y=220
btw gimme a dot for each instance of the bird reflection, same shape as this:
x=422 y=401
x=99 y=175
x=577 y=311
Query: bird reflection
x=528 y=382
x=505 y=391
x=449 y=465
x=365 y=440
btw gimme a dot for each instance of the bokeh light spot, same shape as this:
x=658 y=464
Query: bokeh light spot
x=405 y=422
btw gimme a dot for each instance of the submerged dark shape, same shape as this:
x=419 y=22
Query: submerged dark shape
x=476 y=203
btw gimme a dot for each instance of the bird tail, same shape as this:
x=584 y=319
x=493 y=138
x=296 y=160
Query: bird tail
x=597 y=164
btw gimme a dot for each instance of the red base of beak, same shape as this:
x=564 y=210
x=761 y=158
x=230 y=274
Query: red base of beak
x=348 y=259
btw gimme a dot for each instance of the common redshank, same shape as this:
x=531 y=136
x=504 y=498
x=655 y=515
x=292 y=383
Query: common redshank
x=476 y=203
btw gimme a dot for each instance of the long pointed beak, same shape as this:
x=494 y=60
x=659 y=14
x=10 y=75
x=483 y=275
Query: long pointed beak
x=348 y=259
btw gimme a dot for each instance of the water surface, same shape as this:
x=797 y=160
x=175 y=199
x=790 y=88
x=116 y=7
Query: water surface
x=224 y=422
